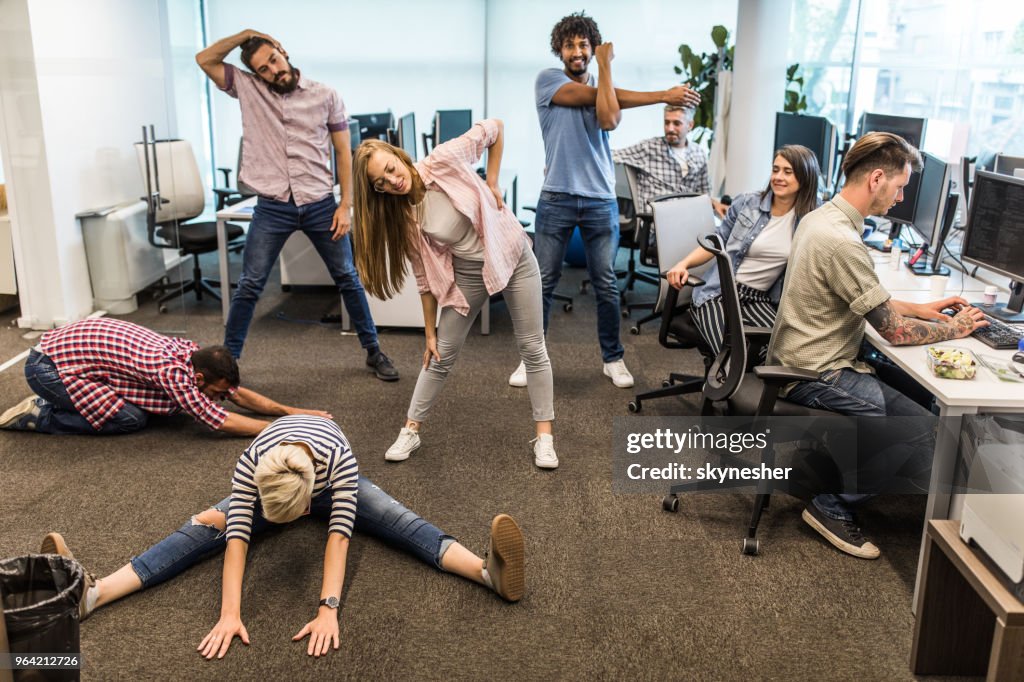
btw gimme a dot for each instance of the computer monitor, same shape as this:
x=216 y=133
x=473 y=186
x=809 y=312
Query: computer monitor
x=928 y=210
x=375 y=126
x=451 y=123
x=407 y=134
x=994 y=237
x=1008 y=165
x=814 y=132
x=910 y=129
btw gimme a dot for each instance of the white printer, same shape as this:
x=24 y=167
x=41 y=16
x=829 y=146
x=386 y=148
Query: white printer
x=995 y=520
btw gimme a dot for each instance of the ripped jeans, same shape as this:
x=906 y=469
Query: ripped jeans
x=377 y=514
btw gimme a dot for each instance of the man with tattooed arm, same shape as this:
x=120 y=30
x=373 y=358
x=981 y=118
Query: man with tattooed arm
x=830 y=290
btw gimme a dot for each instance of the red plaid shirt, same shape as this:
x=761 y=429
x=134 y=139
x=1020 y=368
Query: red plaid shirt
x=105 y=362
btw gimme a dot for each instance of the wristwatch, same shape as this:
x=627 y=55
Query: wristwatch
x=330 y=602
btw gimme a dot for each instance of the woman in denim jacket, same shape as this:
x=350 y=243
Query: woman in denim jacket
x=757 y=231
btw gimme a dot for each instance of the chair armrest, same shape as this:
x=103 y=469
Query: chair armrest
x=779 y=375
x=227 y=175
x=757 y=332
x=530 y=207
x=694 y=281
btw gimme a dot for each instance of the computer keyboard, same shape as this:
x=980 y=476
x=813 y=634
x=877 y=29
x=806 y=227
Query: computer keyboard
x=998 y=335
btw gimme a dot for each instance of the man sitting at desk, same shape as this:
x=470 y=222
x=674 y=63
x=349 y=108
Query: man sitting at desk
x=102 y=376
x=287 y=123
x=669 y=164
x=830 y=290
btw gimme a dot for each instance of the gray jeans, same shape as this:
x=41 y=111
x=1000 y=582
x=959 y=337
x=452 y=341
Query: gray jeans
x=523 y=298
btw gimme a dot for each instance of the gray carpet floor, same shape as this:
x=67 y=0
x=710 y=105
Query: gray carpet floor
x=616 y=587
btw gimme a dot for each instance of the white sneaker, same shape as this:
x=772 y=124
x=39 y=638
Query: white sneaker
x=544 y=451
x=407 y=442
x=618 y=373
x=518 y=377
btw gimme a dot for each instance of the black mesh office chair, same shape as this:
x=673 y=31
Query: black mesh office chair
x=167 y=212
x=739 y=392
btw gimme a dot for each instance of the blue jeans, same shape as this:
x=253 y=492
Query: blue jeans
x=853 y=393
x=598 y=220
x=377 y=514
x=58 y=414
x=273 y=222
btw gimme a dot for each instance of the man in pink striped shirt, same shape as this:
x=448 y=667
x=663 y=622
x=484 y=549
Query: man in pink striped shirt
x=288 y=123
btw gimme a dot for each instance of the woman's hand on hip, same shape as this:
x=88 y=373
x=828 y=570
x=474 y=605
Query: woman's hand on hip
x=217 y=642
x=496 y=191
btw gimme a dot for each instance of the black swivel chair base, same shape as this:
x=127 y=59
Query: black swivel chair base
x=198 y=284
x=676 y=384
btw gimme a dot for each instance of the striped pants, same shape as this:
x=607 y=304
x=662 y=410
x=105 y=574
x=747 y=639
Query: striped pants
x=756 y=309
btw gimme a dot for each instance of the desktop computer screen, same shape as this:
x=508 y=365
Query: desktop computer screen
x=451 y=123
x=375 y=126
x=1009 y=165
x=928 y=212
x=910 y=129
x=994 y=237
x=407 y=134
x=814 y=132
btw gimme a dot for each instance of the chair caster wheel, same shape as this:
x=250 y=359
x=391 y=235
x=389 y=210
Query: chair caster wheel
x=670 y=503
x=634 y=330
x=665 y=383
x=751 y=546
x=162 y=309
x=625 y=314
x=567 y=307
x=633 y=406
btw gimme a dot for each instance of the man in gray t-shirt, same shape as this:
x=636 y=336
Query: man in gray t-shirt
x=576 y=111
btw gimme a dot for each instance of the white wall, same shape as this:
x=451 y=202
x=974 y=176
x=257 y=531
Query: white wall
x=407 y=55
x=75 y=92
x=646 y=35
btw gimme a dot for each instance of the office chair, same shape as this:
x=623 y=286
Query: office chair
x=630 y=218
x=228 y=195
x=684 y=219
x=744 y=393
x=649 y=257
x=167 y=211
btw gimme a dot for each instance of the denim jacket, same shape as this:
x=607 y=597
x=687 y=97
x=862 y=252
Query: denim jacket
x=748 y=215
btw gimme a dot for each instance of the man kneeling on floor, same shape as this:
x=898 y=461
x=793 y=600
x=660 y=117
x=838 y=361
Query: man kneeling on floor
x=103 y=376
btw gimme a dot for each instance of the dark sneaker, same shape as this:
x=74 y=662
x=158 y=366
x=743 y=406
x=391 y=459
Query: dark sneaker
x=54 y=543
x=845 y=535
x=505 y=562
x=382 y=367
x=23 y=416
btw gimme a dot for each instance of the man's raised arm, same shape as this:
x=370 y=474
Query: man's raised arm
x=211 y=60
x=575 y=94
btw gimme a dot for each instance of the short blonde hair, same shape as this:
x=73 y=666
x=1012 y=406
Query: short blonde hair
x=284 y=478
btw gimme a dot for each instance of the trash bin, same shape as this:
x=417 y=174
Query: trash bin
x=40 y=594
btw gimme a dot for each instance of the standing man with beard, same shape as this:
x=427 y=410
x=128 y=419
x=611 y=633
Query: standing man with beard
x=576 y=111
x=288 y=121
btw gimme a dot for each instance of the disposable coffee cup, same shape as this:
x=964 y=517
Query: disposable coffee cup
x=938 y=286
x=990 y=295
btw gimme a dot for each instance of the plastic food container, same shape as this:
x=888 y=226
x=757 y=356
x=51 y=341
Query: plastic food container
x=947 y=362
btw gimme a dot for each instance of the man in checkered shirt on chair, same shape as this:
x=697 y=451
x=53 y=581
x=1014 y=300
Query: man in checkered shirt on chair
x=103 y=376
x=669 y=164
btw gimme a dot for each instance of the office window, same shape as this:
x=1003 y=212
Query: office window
x=961 y=65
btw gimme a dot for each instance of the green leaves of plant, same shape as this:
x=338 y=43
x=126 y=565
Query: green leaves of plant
x=719 y=35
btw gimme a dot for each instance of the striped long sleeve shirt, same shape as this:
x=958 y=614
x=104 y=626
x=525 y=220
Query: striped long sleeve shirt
x=334 y=464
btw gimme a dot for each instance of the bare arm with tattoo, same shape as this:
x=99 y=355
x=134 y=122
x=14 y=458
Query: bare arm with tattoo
x=900 y=330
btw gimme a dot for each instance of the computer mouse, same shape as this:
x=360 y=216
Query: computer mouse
x=949 y=311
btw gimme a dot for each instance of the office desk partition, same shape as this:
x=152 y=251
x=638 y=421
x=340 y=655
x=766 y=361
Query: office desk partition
x=955 y=398
x=403 y=310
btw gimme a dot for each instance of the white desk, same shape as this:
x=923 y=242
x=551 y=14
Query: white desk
x=403 y=310
x=955 y=398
